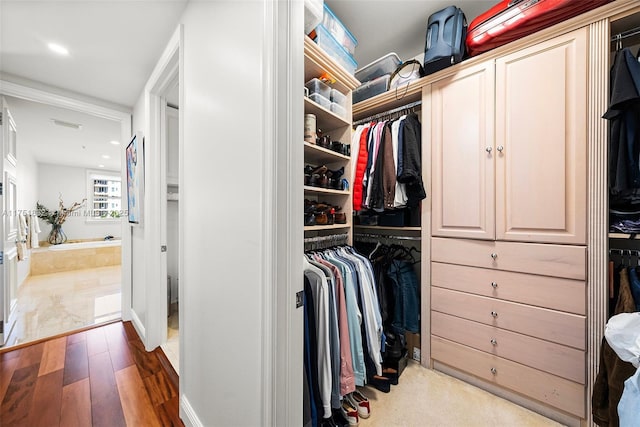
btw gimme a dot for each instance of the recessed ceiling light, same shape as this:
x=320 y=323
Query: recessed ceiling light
x=100 y=166
x=115 y=142
x=60 y=50
x=106 y=156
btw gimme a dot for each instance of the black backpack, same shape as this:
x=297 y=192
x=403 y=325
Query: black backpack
x=445 y=43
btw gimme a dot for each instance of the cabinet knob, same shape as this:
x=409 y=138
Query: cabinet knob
x=500 y=148
x=494 y=371
x=494 y=314
x=494 y=255
x=488 y=149
x=494 y=341
x=494 y=285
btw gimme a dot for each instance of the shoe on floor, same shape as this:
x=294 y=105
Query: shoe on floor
x=349 y=412
x=361 y=402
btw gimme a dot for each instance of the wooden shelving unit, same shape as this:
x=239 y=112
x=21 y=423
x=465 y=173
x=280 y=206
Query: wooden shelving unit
x=317 y=63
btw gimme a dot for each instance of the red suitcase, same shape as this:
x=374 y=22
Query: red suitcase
x=513 y=19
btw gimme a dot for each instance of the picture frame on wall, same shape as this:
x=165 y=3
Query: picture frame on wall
x=135 y=178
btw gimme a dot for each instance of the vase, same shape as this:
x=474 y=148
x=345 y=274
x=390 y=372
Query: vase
x=56 y=235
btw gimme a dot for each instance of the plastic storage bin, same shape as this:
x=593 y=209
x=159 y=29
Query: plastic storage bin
x=338 y=98
x=313 y=14
x=337 y=29
x=319 y=87
x=338 y=109
x=320 y=100
x=332 y=48
x=381 y=66
x=372 y=88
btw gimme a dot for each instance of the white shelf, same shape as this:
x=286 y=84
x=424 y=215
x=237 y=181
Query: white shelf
x=325 y=119
x=320 y=190
x=316 y=154
x=326 y=227
x=384 y=228
x=621 y=236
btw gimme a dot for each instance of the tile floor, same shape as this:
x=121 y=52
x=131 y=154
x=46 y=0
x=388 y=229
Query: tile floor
x=425 y=397
x=50 y=304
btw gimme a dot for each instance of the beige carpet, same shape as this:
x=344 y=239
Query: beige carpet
x=429 y=398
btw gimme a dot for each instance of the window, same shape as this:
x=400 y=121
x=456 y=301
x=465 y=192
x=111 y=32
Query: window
x=104 y=196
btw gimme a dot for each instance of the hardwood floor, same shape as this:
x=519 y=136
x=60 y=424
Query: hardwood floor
x=98 y=377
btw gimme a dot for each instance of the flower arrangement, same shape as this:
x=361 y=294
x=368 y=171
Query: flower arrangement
x=57 y=218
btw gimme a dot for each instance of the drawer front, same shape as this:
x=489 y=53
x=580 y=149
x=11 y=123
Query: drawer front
x=562 y=328
x=546 y=388
x=542 y=291
x=556 y=359
x=542 y=259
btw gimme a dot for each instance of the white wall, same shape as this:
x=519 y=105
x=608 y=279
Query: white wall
x=72 y=183
x=27 y=186
x=222 y=260
x=138 y=255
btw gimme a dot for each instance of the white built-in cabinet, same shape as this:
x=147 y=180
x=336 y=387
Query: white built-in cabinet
x=509 y=184
x=509 y=146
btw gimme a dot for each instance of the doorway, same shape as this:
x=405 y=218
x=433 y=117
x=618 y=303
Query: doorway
x=171 y=162
x=87 y=289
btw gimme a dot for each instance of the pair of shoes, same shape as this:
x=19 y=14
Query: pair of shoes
x=392 y=374
x=380 y=383
x=359 y=401
x=349 y=412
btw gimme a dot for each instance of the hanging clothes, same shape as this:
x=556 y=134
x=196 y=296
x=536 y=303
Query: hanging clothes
x=388 y=171
x=612 y=371
x=343 y=328
x=624 y=131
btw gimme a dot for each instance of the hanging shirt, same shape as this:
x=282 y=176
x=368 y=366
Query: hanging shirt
x=334 y=335
x=318 y=285
x=400 y=195
x=347 y=377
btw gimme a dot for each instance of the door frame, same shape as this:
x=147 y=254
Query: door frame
x=163 y=78
x=57 y=98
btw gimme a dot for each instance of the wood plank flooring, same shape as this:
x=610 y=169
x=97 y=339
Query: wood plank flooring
x=97 y=377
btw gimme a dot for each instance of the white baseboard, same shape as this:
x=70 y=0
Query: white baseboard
x=187 y=414
x=138 y=325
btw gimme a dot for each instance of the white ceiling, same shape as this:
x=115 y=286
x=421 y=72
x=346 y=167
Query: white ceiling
x=383 y=26
x=113 y=45
x=50 y=143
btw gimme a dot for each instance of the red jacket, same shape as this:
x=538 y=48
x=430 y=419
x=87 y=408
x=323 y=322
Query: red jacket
x=361 y=167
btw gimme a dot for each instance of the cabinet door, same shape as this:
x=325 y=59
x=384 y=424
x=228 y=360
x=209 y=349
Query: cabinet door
x=541 y=101
x=463 y=154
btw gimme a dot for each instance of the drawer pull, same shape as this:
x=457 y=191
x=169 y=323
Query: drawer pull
x=494 y=285
x=494 y=341
x=488 y=149
x=494 y=313
x=500 y=148
x=494 y=371
x=494 y=255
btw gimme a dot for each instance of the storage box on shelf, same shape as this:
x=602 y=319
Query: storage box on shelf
x=330 y=45
x=337 y=125
x=338 y=30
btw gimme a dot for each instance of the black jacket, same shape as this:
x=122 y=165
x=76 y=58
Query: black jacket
x=412 y=161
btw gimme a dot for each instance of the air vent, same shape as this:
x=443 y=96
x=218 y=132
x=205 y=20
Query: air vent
x=66 y=124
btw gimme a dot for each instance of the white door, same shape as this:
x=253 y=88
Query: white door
x=9 y=225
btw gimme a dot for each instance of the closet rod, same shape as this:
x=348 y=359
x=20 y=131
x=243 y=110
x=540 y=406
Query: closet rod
x=333 y=237
x=386 y=236
x=629 y=33
x=386 y=113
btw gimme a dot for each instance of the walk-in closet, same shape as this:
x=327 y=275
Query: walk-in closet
x=516 y=255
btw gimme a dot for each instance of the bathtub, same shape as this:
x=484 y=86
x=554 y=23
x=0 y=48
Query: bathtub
x=75 y=256
x=85 y=245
